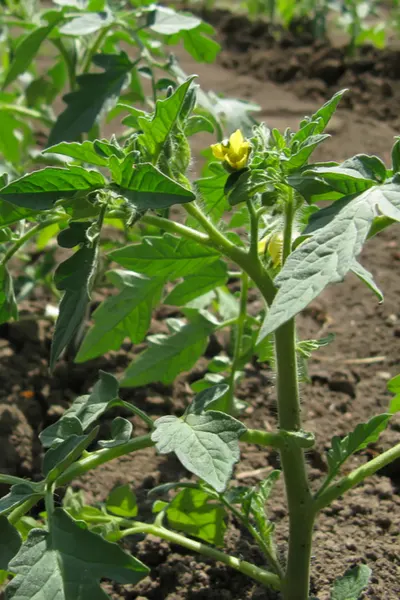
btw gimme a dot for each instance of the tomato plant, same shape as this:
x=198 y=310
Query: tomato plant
x=253 y=217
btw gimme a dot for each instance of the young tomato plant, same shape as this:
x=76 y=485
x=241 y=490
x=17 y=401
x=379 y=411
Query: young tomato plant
x=263 y=184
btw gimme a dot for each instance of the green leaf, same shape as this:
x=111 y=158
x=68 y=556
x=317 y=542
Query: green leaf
x=394 y=387
x=85 y=151
x=396 y=156
x=128 y=314
x=351 y=585
x=212 y=192
x=68 y=562
x=207 y=445
x=207 y=279
x=121 y=431
x=18 y=494
x=87 y=23
x=320 y=119
x=306 y=148
x=168 y=257
x=344 y=180
x=26 y=51
x=41 y=189
x=122 y=502
x=198 y=123
x=74 y=234
x=329 y=254
x=97 y=94
x=191 y=513
x=167 y=356
x=206 y=398
x=146 y=187
x=166 y=115
x=255 y=506
x=363 y=434
x=73 y=277
x=167 y=21
x=366 y=277
x=87 y=409
x=60 y=457
x=10 y=214
x=8 y=303
x=10 y=542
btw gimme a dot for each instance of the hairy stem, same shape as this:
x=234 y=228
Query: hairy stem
x=264 y=577
x=355 y=477
x=58 y=43
x=92 y=51
x=29 y=113
x=27 y=236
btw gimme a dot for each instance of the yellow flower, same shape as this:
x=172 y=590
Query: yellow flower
x=235 y=151
x=274 y=245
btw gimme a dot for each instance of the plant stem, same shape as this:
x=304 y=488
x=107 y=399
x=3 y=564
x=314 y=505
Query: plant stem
x=178 y=228
x=262 y=438
x=92 y=51
x=30 y=113
x=58 y=43
x=23 y=508
x=264 y=577
x=11 y=479
x=355 y=477
x=229 y=401
x=27 y=236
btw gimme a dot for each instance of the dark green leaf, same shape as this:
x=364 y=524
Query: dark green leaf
x=212 y=192
x=167 y=356
x=320 y=119
x=329 y=254
x=84 y=151
x=87 y=23
x=26 y=51
x=306 y=148
x=198 y=123
x=206 y=398
x=58 y=458
x=344 y=180
x=10 y=542
x=69 y=562
x=121 y=431
x=128 y=314
x=193 y=286
x=74 y=234
x=73 y=277
x=8 y=303
x=351 y=585
x=366 y=277
x=191 y=513
x=396 y=156
x=363 y=434
x=87 y=409
x=168 y=257
x=97 y=94
x=41 y=189
x=207 y=445
x=122 y=502
x=146 y=187
x=17 y=495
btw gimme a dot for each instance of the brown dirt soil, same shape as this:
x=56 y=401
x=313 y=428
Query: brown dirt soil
x=365 y=525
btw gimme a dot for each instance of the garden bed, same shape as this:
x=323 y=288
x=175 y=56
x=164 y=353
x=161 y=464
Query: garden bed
x=348 y=378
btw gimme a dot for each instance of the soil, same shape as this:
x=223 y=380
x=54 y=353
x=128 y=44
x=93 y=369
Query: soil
x=348 y=378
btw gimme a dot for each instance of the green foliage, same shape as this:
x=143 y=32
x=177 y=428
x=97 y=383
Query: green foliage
x=352 y=584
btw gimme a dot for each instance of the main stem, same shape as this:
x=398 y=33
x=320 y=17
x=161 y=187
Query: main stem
x=296 y=582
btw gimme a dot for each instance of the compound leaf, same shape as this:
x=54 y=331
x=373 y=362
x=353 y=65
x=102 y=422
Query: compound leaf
x=168 y=355
x=74 y=277
x=351 y=585
x=97 y=94
x=122 y=502
x=10 y=542
x=207 y=445
x=146 y=187
x=128 y=314
x=168 y=257
x=363 y=434
x=329 y=254
x=194 y=286
x=68 y=562
x=191 y=513
x=86 y=409
x=41 y=189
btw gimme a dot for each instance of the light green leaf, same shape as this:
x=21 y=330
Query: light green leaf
x=167 y=21
x=363 y=434
x=196 y=285
x=121 y=431
x=394 y=387
x=87 y=409
x=191 y=513
x=206 y=398
x=26 y=51
x=198 y=123
x=74 y=277
x=8 y=303
x=157 y=130
x=329 y=254
x=85 y=151
x=10 y=542
x=167 y=356
x=168 y=257
x=367 y=278
x=68 y=562
x=122 y=502
x=207 y=445
x=306 y=148
x=87 y=23
x=58 y=458
x=320 y=119
x=351 y=585
x=127 y=314
x=41 y=189
x=212 y=192
x=18 y=494
x=147 y=187
x=97 y=94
